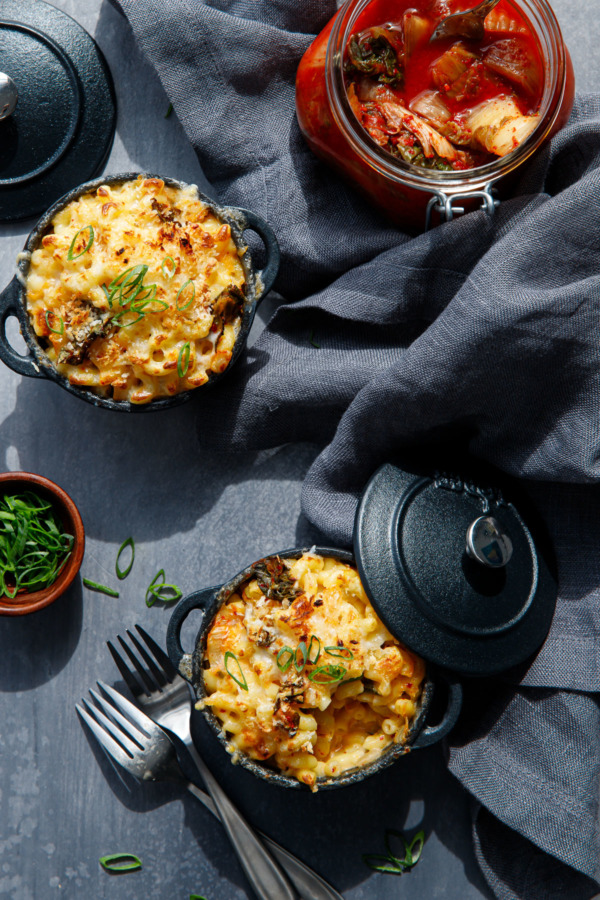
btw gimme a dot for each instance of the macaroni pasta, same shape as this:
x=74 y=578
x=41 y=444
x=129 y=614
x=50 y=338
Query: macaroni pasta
x=137 y=291
x=301 y=672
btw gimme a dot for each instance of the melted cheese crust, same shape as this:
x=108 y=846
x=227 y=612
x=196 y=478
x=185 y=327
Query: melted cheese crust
x=306 y=729
x=138 y=222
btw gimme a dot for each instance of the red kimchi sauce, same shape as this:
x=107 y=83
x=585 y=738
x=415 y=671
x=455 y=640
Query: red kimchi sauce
x=453 y=104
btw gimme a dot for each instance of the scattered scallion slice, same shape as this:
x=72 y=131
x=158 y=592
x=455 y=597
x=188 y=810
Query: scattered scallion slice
x=241 y=680
x=60 y=330
x=169 y=110
x=309 y=659
x=167 y=272
x=127 y=280
x=150 y=593
x=180 y=292
x=327 y=674
x=387 y=866
x=115 y=319
x=166 y=593
x=183 y=360
x=101 y=588
x=145 y=296
x=123 y=573
x=313 y=342
x=196 y=897
x=33 y=544
x=340 y=652
x=129 y=284
x=140 y=306
x=158 y=589
x=390 y=864
x=120 y=862
x=299 y=665
x=70 y=254
x=281 y=665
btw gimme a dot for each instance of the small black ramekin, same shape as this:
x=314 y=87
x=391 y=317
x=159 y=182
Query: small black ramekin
x=210 y=600
x=13 y=300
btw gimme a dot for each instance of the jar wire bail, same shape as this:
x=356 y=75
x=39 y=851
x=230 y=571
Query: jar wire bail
x=444 y=204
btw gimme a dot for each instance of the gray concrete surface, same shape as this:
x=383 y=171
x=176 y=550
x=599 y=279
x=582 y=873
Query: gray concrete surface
x=202 y=517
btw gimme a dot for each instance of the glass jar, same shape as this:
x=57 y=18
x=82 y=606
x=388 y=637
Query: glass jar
x=413 y=197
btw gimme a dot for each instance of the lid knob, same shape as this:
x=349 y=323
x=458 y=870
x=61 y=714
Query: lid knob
x=488 y=543
x=8 y=96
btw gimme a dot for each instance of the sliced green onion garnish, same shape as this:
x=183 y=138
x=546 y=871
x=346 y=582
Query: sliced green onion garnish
x=70 y=254
x=340 y=652
x=121 y=862
x=33 y=545
x=150 y=593
x=101 y=588
x=167 y=272
x=309 y=658
x=127 y=276
x=180 y=292
x=299 y=665
x=166 y=593
x=160 y=574
x=169 y=110
x=60 y=330
x=196 y=897
x=129 y=285
x=146 y=293
x=123 y=573
x=415 y=848
x=313 y=342
x=392 y=864
x=183 y=360
x=140 y=306
x=115 y=319
x=387 y=867
x=241 y=680
x=327 y=674
x=282 y=665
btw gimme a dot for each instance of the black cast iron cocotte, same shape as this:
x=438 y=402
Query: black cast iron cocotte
x=13 y=300
x=210 y=600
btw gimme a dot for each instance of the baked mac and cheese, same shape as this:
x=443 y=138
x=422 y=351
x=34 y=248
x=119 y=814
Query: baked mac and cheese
x=300 y=671
x=137 y=291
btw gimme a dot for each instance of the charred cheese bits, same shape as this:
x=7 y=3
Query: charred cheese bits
x=137 y=291
x=301 y=673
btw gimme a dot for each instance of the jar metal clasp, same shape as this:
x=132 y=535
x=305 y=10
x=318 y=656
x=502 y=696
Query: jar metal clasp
x=444 y=204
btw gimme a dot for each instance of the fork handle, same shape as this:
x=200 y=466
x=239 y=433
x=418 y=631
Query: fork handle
x=307 y=882
x=266 y=877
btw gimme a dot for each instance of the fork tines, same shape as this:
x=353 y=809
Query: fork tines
x=113 y=730
x=157 y=672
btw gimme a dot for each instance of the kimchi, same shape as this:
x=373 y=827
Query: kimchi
x=452 y=104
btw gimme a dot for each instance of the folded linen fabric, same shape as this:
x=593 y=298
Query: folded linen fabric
x=482 y=330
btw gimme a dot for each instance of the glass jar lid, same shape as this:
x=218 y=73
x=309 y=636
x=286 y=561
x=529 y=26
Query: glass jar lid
x=454 y=568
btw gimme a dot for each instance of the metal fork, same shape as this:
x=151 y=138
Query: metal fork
x=165 y=696
x=145 y=750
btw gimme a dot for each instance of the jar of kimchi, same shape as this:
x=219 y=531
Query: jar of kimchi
x=429 y=128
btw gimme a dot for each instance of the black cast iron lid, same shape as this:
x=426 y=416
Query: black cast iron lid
x=62 y=128
x=454 y=570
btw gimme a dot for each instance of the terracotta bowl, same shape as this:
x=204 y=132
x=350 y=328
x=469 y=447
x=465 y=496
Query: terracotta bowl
x=18 y=482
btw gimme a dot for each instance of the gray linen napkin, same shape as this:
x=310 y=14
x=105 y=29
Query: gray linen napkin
x=482 y=330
